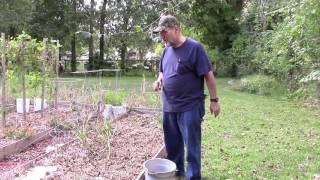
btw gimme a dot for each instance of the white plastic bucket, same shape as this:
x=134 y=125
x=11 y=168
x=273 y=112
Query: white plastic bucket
x=159 y=169
x=19 y=104
x=37 y=104
x=119 y=111
x=107 y=113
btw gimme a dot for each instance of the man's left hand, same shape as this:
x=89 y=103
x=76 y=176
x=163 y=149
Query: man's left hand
x=215 y=108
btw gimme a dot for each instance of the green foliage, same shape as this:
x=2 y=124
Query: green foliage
x=216 y=21
x=24 y=58
x=17 y=133
x=313 y=76
x=277 y=38
x=15 y=15
x=301 y=93
x=213 y=55
x=82 y=135
x=59 y=124
x=13 y=83
x=290 y=50
x=158 y=48
x=33 y=82
x=114 y=97
x=105 y=131
x=258 y=84
x=23 y=53
x=154 y=99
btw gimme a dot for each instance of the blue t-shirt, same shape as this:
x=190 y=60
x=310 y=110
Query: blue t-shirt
x=183 y=71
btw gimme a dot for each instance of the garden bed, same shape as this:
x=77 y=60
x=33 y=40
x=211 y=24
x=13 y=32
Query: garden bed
x=134 y=139
x=17 y=128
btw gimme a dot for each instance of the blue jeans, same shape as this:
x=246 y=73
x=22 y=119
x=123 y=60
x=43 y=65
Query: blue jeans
x=184 y=128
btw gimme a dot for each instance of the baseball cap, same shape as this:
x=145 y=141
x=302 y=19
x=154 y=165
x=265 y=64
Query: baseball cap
x=166 y=21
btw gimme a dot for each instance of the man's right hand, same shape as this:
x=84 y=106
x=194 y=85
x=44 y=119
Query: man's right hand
x=157 y=85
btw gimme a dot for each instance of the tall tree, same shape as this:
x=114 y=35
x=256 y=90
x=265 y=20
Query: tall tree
x=15 y=15
x=74 y=15
x=73 y=37
x=102 y=32
x=134 y=18
x=91 y=64
x=217 y=21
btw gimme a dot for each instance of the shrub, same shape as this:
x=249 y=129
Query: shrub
x=114 y=97
x=309 y=87
x=258 y=84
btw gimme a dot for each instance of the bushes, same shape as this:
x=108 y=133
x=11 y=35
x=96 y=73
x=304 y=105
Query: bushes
x=290 y=51
x=283 y=42
x=259 y=84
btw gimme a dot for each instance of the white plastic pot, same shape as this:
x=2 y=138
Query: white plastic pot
x=119 y=111
x=19 y=105
x=37 y=104
x=107 y=113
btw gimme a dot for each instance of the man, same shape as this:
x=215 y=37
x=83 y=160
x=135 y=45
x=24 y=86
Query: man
x=183 y=67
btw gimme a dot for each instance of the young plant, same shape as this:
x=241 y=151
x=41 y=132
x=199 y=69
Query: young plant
x=105 y=133
x=18 y=133
x=82 y=135
x=59 y=125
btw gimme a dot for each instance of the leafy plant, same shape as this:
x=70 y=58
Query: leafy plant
x=154 y=99
x=106 y=129
x=33 y=81
x=25 y=61
x=13 y=83
x=105 y=133
x=59 y=124
x=114 y=97
x=82 y=135
x=18 y=133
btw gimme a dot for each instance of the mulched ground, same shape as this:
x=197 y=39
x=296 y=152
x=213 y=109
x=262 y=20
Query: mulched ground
x=34 y=123
x=135 y=138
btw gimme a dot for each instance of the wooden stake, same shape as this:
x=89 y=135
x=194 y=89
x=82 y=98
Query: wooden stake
x=45 y=59
x=56 y=77
x=21 y=48
x=3 y=62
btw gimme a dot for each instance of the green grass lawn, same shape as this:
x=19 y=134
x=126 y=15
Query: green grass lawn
x=257 y=137
x=123 y=83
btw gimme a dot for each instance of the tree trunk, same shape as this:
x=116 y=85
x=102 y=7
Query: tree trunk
x=123 y=50
x=102 y=22
x=123 y=47
x=73 y=53
x=12 y=31
x=91 y=62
